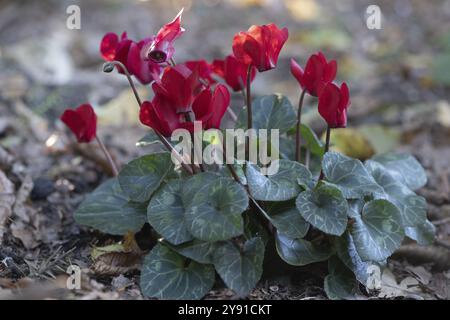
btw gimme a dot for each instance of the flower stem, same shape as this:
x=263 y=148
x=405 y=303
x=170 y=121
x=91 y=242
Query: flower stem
x=249 y=98
x=327 y=139
x=108 y=156
x=190 y=117
x=298 y=149
x=327 y=147
x=139 y=101
x=130 y=80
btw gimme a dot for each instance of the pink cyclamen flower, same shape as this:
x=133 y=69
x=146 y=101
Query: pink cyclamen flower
x=318 y=72
x=333 y=104
x=161 y=48
x=82 y=121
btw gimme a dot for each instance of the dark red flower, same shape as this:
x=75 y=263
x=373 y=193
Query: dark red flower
x=318 y=72
x=233 y=72
x=161 y=48
x=144 y=70
x=260 y=46
x=114 y=49
x=333 y=104
x=204 y=70
x=82 y=121
x=179 y=85
x=208 y=107
x=129 y=53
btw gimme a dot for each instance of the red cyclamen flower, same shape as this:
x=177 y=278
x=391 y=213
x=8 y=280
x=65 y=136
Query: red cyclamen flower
x=82 y=121
x=318 y=72
x=203 y=68
x=112 y=48
x=128 y=52
x=233 y=72
x=209 y=107
x=179 y=85
x=161 y=48
x=333 y=104
x=260 y=46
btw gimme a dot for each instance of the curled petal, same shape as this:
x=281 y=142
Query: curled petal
x=82 y=121
x=108 y=46
x=162 y=48
x=220 y=102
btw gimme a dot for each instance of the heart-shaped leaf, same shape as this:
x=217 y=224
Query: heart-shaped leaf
x=349 y=175
x=325 y=208
x=197 y=250
x=199 y=183
x=378 y=232
x=281 y=186
x=269 y=112
x=142 y=176
x=340 y=283
x=346 y=251
x=413 y=208
x=167 y=275
x=424 y=234
x=240 y=268
x=287 y=220
x=215 y=214
x=405 y=168
x=299 y=252
x=108 y=210
x=165 y=213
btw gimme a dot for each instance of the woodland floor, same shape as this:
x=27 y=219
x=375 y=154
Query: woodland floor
x=400 y=99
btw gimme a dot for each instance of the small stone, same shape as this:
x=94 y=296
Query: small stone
x=42 y=188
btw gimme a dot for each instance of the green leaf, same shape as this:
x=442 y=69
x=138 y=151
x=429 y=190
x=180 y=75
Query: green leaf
x=142 y=176
x=151 y=138
x=196 y=184
x=109 y=210
x=284 y=185
x=309 y=140
x=168 y=275
x=240 y=268
x=270 y=112
x=325 y=208
x=346 y=251
x=349 y=175
x=287 y=148
x=287 y=220
x=340 y=283
x=404 y=168
x=309 y=137
x=197 y=250
x=424 y=234
x=299 y=252
x=165 y=213
x=215 y=214
x=355 y=207
x=413 y=208
x=378 y=232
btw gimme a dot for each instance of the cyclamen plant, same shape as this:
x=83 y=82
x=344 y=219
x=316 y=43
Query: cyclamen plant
x=324 y=206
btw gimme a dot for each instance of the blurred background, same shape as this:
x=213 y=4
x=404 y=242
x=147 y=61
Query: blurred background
x=399 y=79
